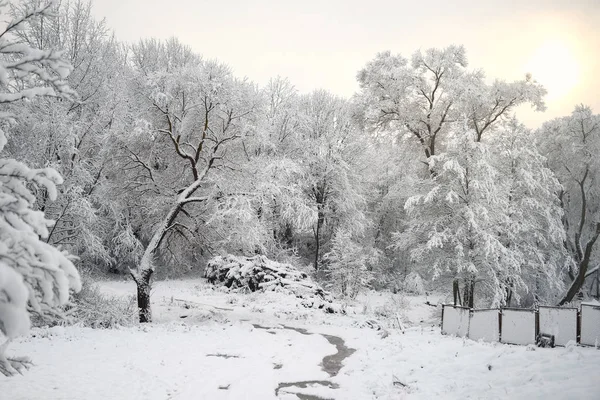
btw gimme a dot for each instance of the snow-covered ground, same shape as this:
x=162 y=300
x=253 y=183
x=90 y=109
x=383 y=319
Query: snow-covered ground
x=208 y=344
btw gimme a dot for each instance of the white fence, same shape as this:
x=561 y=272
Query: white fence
x=518 y=326
x=590 y=324
x=455 y=321
x=559 y=322
x=522 y=326
x=485 y=325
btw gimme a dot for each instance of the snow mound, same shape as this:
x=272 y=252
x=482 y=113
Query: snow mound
x=258 y=273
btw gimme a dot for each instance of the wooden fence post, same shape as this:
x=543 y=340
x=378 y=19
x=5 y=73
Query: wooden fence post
x=500 y=324
x=579 y=326
x=442 y=324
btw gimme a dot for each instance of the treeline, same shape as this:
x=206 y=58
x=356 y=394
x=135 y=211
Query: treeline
x=169 y=159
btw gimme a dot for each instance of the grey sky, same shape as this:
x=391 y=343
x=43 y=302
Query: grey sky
x=322 y=44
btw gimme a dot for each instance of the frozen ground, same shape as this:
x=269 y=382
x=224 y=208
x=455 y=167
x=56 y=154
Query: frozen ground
x=207 y=344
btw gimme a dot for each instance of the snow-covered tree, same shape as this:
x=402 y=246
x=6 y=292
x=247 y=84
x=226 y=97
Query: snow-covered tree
x=532 y=230
x=72 y=136
x=393 y=179
x=274 y=173
x=426 y=97
x=421 y=105
x=488 y=106
x=190 y=118
x=34 y=275
x=572 y=145
x=417 y=97
x=489 y=219
x=456 y=220
x=350 y=263
x=331 y=153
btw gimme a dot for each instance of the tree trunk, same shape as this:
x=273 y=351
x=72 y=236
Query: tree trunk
x=598 y=284
x=469 y=292
x=144 y=271
x=317 y=244
x=320 y=220
x=143 y=295
x=456 y=292
x=574 y=288
x=585 y=257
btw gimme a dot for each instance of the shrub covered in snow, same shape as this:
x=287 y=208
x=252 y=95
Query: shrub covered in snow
x=91 y=308
x=350 y=264
x=258 y=273
x=413 y=283
x=96 y=310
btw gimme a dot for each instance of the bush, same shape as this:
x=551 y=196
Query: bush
x=90 y=308
x=350 y=264
x=93 y=309
x=414 y=284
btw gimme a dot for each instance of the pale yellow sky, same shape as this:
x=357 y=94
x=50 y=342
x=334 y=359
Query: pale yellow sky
x=322 y=44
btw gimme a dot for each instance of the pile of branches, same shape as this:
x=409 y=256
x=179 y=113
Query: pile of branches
x=258 y=273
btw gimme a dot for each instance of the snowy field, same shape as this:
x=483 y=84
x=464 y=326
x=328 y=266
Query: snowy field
x=207 y=344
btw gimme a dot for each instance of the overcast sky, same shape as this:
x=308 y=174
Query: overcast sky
x=323 y=43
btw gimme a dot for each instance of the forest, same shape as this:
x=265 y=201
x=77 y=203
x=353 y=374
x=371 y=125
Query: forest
x=145 y=160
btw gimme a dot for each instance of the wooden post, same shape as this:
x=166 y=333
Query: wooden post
x=499 y=325
x=443 y=305
x=537 y=322
x=579 y=327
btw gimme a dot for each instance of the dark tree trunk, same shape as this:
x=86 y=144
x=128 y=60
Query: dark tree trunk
x=598 y=284
x=575 y=286
x=469 y=292
x=456 y=292
x=143 y=295
x=320 y=220
x=585 y=257
x=509 y=292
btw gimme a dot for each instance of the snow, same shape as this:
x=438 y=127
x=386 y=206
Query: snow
x=484 y=325
x=216 y=352
x=160 y=361
x=590 y=324
x=560 y=322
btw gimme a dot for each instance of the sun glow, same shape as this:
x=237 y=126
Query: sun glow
x=554 y=65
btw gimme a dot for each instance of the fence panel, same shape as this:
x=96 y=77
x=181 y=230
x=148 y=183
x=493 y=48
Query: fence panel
x=590 y=324
x=455 y=320
x=560 y=322
x=485 y=325
x=518 y=326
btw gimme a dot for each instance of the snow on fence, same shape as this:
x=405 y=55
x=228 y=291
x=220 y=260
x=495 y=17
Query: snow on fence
x=590 y=324
x=518 y=326
x=559 y=322
x=455 y=320
x=485 y=325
